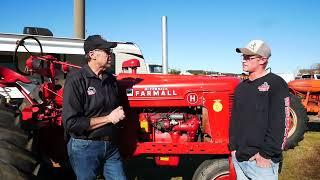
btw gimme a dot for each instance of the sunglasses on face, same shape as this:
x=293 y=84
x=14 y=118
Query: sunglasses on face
x=107 y=51
x=249 y=58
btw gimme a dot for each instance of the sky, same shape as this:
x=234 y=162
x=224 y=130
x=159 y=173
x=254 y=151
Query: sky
x=202 y=34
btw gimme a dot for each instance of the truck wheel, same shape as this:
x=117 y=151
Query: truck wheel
x=215 y=169
x=298 y=122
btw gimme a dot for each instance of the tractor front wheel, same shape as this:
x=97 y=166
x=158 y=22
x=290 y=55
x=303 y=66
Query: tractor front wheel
x=215 y=169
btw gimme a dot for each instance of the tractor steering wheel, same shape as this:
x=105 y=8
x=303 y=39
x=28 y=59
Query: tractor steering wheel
x=16 y=59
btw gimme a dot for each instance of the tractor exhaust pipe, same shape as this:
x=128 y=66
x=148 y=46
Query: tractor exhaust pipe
x=164 y=46
x=79 y=18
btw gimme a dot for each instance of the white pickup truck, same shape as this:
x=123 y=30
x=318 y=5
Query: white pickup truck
x=308 y=76
x=66 y=49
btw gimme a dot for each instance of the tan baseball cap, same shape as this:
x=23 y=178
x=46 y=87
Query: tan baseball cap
x=256 y=47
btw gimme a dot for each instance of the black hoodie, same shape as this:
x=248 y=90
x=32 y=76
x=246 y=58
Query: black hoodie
x=259 y=119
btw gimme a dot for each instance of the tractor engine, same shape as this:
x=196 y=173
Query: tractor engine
x=169 y=127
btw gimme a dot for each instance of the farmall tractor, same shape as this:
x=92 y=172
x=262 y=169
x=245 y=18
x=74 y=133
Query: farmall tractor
x=169 y=118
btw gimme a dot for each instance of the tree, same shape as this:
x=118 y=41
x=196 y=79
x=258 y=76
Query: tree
x=174 y=71
x=314 y=68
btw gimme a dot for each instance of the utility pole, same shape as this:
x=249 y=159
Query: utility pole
x=79 y=18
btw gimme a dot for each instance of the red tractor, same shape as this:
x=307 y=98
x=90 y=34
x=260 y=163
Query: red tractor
x=169 y=117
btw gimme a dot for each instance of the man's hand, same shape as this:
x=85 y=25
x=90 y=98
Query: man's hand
x=233 y=153
x=116 y=115
x=261 y=161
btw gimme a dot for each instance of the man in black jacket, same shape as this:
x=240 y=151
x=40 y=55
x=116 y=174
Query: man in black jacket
x=90 y=112
x=260 y=116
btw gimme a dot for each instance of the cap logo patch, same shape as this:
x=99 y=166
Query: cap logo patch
x=91 y=91
x=253 y=45
x=264 y=87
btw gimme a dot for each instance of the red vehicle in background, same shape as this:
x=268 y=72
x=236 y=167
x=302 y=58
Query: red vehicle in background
x=306 y=90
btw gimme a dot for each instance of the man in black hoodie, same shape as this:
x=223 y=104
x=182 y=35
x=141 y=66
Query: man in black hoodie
x=260 y=114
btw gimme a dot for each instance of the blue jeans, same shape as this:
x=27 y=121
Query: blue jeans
x=89 y=158
x=249 y=170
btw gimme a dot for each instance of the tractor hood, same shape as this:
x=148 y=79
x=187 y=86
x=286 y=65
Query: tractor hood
x=181 y=90
x=305 y=85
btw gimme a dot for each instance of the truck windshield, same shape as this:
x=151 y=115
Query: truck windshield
x=155 y=68
x=306 y=76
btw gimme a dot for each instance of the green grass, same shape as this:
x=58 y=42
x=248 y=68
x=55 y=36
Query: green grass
x=303 y=162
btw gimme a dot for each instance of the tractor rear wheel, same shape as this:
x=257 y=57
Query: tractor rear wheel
x=13 y=136
x=17 y=157
x=9 y=172
x=15 y=161
x=215 y=169
x=7 y=118
x=298 y=122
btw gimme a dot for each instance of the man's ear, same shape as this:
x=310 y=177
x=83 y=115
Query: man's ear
x=264 y=60
x=91 y=55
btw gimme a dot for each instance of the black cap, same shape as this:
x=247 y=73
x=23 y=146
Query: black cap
x=97 y=42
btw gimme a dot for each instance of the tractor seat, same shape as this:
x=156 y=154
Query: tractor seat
x=8 y=76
